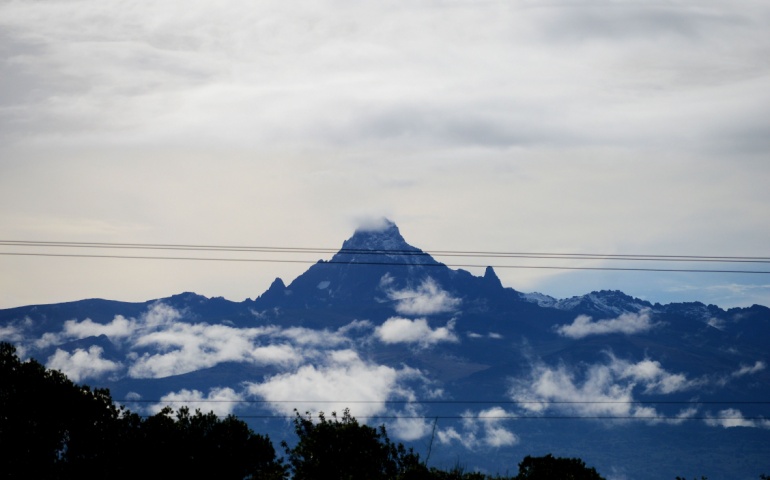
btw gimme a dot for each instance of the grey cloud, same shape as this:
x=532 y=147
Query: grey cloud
x=617 y=21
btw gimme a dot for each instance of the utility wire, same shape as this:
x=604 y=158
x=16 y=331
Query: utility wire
x=392 y=252
x=485 y=402
x=381 y=253
x=397 y=264
x=660 y=418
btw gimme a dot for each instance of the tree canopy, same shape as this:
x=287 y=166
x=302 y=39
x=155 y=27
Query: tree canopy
x=51 y=428
x=341 y=448
x=549 y=467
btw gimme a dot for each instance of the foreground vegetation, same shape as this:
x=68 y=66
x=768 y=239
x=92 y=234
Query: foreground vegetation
x=51 y=428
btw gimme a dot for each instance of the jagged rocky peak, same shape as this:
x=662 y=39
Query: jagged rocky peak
x=277 y=284
x=491 y=277
x=383 y=238
x=611 y=302
x=382 y=235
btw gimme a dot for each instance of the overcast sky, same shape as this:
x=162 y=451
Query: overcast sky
x=612 y=127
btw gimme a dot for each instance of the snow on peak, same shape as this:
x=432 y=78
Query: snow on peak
x=385 y=237
x=372 y=244
x=540 y=299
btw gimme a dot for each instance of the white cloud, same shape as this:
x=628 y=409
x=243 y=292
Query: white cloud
x=742 y=371
x=189 y=347
x=283 y=355
x=82 y=364
x=732 y=417
x=716 y=323
x=403 y=330
x=161 y=344
x=427 y=299
x=482 y=429
x=627 y=323
x=119 y=327
x=409 y=426
x=159 y=314
x=368 y=223
x=221 y=401
x=749 y=369
x=319 y=338
x=492 y=335
x=343 y=381
x=597 y=390
x=652 y=375
x=683 y=416
x=10 y=333
x=559 y=388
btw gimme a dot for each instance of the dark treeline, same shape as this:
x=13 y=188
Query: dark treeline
x=51 y=428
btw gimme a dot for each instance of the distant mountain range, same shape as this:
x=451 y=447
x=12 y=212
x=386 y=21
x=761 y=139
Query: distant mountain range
x=454 y=364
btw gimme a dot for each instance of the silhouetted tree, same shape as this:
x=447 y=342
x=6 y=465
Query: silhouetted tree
x=51 y=428
x=202 y=445
x=550 y=468
x=47 y=422
x=342 y=449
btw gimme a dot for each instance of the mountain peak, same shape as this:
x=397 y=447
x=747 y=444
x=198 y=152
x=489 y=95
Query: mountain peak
x=380 y=242
x=491 y=277
x=381 y=235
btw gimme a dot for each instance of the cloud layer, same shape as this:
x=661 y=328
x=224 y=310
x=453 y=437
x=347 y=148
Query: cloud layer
x=313 y=370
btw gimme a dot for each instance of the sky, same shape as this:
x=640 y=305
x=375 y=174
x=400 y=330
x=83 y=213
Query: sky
x=603 y=127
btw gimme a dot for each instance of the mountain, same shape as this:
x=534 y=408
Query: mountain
x=453 y=363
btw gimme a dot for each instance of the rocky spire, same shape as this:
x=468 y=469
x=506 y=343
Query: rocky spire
x=385 y=243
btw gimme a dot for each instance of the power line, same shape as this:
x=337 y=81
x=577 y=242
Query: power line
x=391 y=252
x=484 y=402
x=401 y=264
